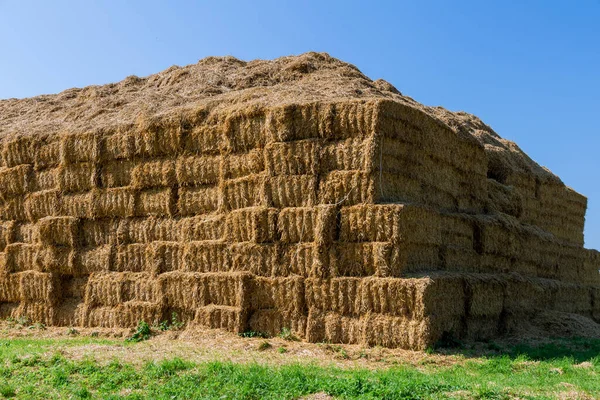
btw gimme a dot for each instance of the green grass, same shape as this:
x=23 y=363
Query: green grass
x=30 y=369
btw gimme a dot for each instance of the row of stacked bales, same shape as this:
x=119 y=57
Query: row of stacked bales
x=349 y=221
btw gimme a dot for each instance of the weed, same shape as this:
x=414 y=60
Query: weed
x=264 y=346
x=282 y=350
x=173 y=325
x=7 y=391
x=286 y=334
x=141 y=333
x=254 y=334
x=72 y=331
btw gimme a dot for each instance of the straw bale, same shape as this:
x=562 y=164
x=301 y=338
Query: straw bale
x=156 y=137
x=118 y=146
x=484 y=296
x=10 y=288
x=500 y=240
x=284 y=294
x=47 y=154
x=16 y=181
x=140 y=287
x=231 y=319
x=347 y=188
x=206 y=256
x=589 y=272
x=79 y=177
x=126 y=315
x=292 y=158
x=104 y=290
x=46 y=179
x=348 y=154
x=572 y=298
x=254 y=224
x=239 y=165
x=245 y=130
x=55 y=259
x=113 y=202
x=153 y=174
x=273 y=321
x=116 y=173
x=43 y=204
x=14 y=209
x=244 y=192
x=491 y=263
x=83 y=147
x=297 y=259
x=100 y=232
x=505 y=199
x=25 y=232
x=167 y=256
x=21 y=257
x=70 y=312
x=156 y=202
x=198 y=170
x=35 y=311
x=132 y=258
x=19 y=150
x=595 y=293
x=77 y=205
x=146 y=230
x=204 y=139
x=60 y=231
x=292 y=191
x=199 y=200
x=89 y=260
x=393 y=188
x=361 y=259
x=7 y=231
x=460 y=259
x=259 y=259
x=297 y=224
x=200 y=228
x=39 y=286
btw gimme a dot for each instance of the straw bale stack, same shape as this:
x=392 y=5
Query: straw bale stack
x=295 y=193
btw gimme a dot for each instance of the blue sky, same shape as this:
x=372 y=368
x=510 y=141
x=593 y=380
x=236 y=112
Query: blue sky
x=530 y=69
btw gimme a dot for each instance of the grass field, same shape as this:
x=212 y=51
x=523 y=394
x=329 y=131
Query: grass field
x=70 y=364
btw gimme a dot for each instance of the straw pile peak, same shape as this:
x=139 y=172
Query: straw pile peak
x=294 y=193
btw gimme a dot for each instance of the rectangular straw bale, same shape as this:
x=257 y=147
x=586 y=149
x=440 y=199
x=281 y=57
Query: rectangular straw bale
x=204 y=139
x=21 y=257
x=116 y=173
x=89 y=260
x=292 y=191
x=239 y=165
x=589 y=272
x=297 y=224
x=326 y=224
x=158 y=137
x=140 y=287
x=361 y=259
x=293 y=122
x=259 y=259
x=60 y=231
x=113 y=202
x=595 y=292
x=118 y=146
x=409 y=257
x=25 y=232
x=47 y=154
x=199 y=200
x=79 y=205
x=7 y=230
x=254 y=224
x=394 y=187
x=132 y=258
x=232 y=319
x=207 y=256
x=245 y=130
x=14 y=209
x=381 y=330
x=19 y=150
x=206 y=227
x=39 y=286
x=274 y=321
x=457 y=230
x=46 y=179
x=79 y=177
x=182 y=290
x=16 y=181
x=154 y=174
x=244 y=192
x=297 y=259
x=349 y=154
x=573 y=298
x=100 y=232
x=146 y=230
x=167 y=256
x=155 y=202
x=35 y=311
x=484 y=296
x=55 y=259
x=347 y=188
x=285 y=294
x=10 y=289
x=104 y=290
x=70 y=312
x=198 y=170
x=500 y=240
x=124 y=315
x=341 y=295
x=82 y=147
x=292 y=158
x=43 y=204
x=460 y=259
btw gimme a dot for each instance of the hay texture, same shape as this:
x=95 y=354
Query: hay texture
x=294 y=193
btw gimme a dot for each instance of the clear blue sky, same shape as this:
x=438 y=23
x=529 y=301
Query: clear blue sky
x=530 y=69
